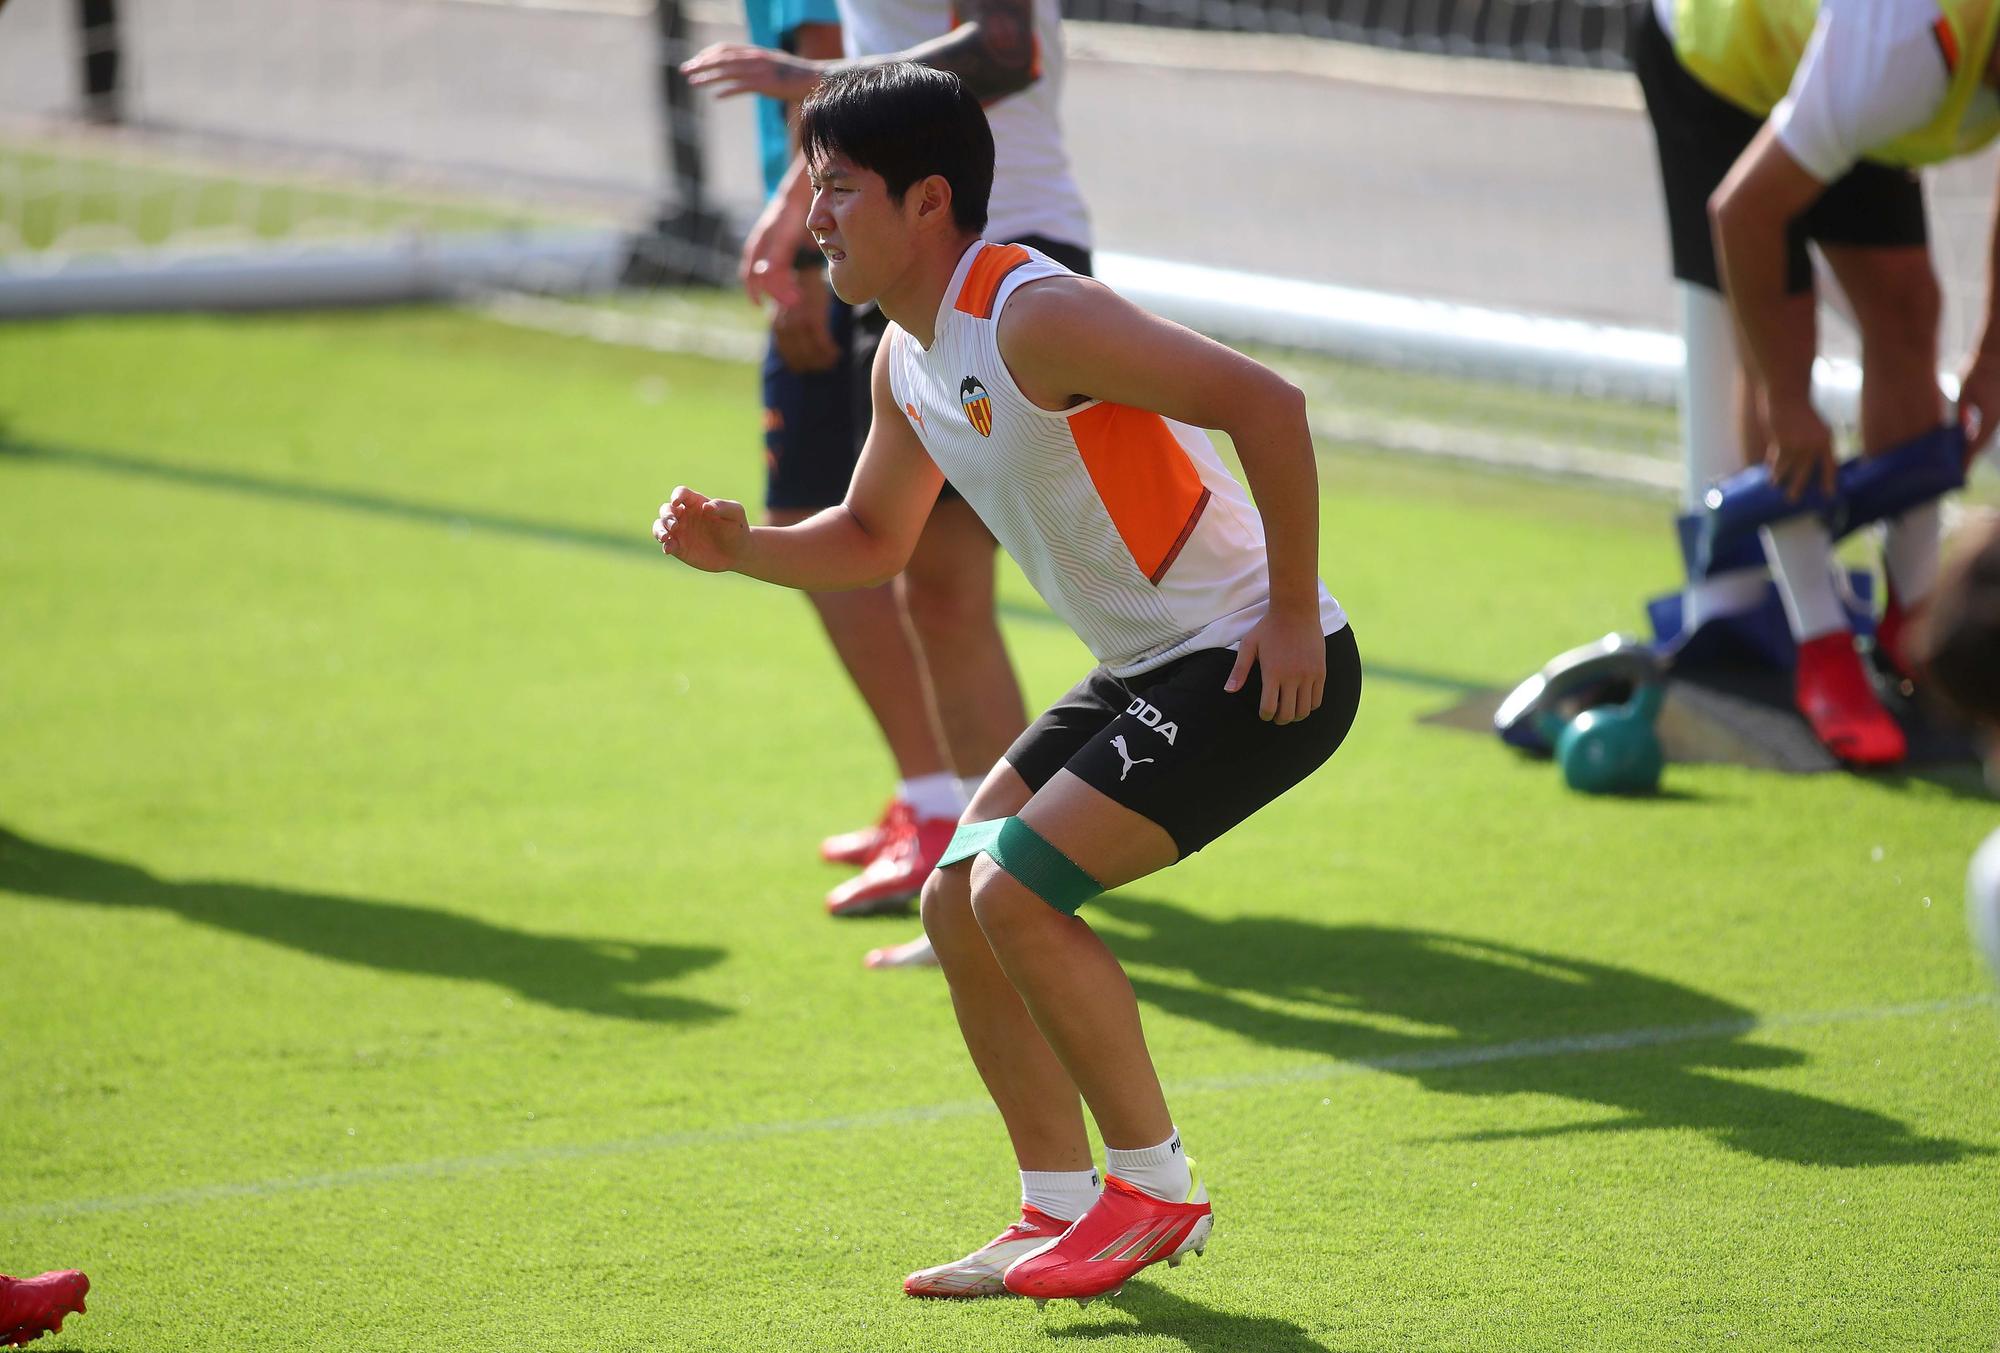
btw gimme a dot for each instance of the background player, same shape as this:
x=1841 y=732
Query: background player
x=812 y=430
x=1010 y=54
x=1778 y=123
x=1069 y=419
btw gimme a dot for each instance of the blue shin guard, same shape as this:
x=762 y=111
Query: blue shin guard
x=1866 y=489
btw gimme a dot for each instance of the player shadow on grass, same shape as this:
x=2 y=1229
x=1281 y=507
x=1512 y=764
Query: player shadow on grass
x=1160 y=1313
x=1500 y=1020
x=598 y=977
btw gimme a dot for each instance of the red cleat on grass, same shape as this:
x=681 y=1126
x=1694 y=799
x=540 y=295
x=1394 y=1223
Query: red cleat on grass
x=864 y=843
x=1126 y=1230
x=1833 y=693
x=894 y=877
x=978 y=1274
x=32 y=1307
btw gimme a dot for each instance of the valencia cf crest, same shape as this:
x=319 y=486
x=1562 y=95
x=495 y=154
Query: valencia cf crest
x=978 y=405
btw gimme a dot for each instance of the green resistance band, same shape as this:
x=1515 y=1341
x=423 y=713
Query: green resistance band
x=1024 y=853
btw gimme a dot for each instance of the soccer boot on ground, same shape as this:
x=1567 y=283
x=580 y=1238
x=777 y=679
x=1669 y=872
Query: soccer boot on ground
x=862 y=844
x=896 y=875
x=32 y=1307
x=1833 y=693
x=1893 y=636
x=916 y=953
x=978 y=1274
x=1125 y=1230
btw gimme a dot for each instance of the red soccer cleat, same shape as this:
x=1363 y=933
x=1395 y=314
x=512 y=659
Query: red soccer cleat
x=1124 y=1231
x=978 y=1274
x=861 y=845
x=32 y=1307
x=894 y=877
x=1893 y=636
x=1833 y=693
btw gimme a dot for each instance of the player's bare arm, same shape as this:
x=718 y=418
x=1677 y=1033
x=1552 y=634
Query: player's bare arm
x=1750 y=214
x=864 y=541
x=800 y=329
x=992 y=50
x=1069 y=339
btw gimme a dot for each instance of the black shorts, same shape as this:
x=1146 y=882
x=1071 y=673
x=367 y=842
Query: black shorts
x=1700 y=135
x=1177 y=749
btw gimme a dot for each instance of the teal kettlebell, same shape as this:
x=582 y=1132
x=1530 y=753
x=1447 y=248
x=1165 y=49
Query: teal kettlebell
x=1612 y=749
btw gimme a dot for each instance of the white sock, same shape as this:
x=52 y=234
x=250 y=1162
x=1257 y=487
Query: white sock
x=933 y=795
x=1160 y=1170
x=1910 y=552
x=1063 y=1194
x=1724 y=595
x=1711 y=442
x=1801 y=555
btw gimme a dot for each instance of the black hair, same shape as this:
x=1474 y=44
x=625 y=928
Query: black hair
x=904 y=122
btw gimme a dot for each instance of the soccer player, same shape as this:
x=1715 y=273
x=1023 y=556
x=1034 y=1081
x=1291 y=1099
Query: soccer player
x=1009 y=54
x=32 y=1307
x=812 y=433
x=1068 y=418
x=1780 y=122
x=1959 y=647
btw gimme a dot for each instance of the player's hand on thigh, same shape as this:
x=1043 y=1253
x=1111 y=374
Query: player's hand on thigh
x=1289 y=653
x=704 y=533
x=801 y=332
x=1979 y=402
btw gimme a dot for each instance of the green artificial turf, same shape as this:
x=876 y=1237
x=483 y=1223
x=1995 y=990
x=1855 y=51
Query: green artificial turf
x=414 y=937
x=58 y=197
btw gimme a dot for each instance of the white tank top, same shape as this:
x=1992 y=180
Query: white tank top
x=1034 y=192
x=1126 y=522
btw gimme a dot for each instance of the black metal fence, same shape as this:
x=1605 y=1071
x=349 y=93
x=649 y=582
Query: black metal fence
x=1548 y=32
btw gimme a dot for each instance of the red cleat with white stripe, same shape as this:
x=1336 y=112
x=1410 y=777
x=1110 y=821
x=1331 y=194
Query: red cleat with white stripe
x=895 y=877
x=860 y=846
x=1126 y=1230
x=978 y=1274
x=32 y=1307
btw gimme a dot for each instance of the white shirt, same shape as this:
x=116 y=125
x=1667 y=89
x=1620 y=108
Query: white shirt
x=1034 y=192
x=1127 y=523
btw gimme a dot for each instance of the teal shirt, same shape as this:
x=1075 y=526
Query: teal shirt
x=771 y=23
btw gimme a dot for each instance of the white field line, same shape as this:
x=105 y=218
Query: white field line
x=1561 y=1045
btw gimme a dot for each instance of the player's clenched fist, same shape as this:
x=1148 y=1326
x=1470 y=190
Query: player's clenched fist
x=704 y=533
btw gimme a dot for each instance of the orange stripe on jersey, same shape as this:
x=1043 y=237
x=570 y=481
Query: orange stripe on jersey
x=1947 y=42
x=982 y=281
x=1145 y=479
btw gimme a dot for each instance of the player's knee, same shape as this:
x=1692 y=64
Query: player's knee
x=1002 y=905
x=946 y=901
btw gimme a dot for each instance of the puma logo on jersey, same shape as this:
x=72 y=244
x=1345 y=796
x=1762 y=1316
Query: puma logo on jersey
x=916 y=414
x=978 y=405
x=1154 y=720
x=1118 y=746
